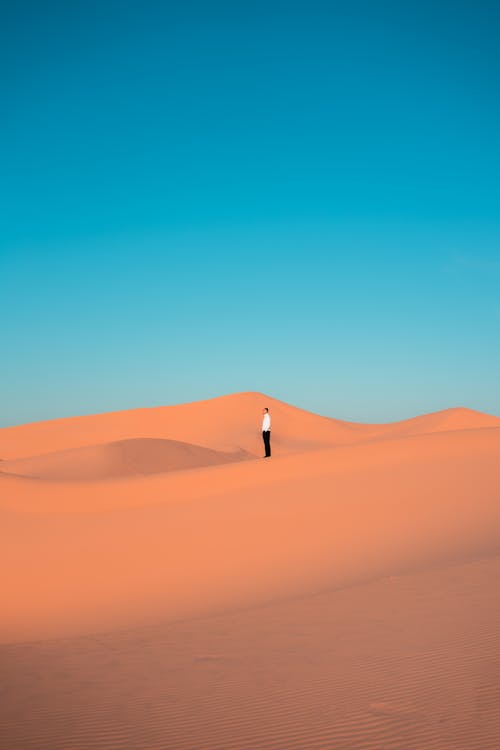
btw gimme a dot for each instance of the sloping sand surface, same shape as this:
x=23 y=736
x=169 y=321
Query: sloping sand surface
x=409 y=662
x=342 y=594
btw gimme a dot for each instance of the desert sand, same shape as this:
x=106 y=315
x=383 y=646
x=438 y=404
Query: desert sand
x=164 y=586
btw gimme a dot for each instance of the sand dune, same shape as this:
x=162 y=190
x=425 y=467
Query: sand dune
x=166 y=520
x=440 y=421
x=123 y=458
x=226 y=423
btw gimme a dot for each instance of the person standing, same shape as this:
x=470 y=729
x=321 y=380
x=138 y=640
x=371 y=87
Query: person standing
x=266 y=432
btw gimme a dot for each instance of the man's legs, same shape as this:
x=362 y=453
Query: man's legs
x=267 y=442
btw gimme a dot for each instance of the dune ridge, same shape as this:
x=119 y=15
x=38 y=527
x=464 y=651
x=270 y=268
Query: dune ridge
x=224 y=423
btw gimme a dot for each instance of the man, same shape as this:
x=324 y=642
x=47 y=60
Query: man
x=266 y=432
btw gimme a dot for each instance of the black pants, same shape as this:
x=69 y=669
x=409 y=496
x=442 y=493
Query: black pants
x=266 y=436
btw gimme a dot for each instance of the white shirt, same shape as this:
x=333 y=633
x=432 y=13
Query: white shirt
x=266 y=422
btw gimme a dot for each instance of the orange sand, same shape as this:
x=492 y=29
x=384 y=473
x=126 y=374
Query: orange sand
x=342 y=594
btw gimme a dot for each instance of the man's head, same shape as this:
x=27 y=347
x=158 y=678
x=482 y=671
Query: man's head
x=265 y=410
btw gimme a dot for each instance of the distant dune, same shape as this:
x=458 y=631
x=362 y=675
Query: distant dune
x=161 y=525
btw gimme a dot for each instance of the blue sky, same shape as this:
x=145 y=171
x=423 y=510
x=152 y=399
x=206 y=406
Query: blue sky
x=202 y=198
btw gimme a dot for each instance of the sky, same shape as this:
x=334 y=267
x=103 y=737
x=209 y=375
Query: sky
x=200 y=198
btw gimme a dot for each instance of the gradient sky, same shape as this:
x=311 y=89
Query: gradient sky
x=296 y=198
